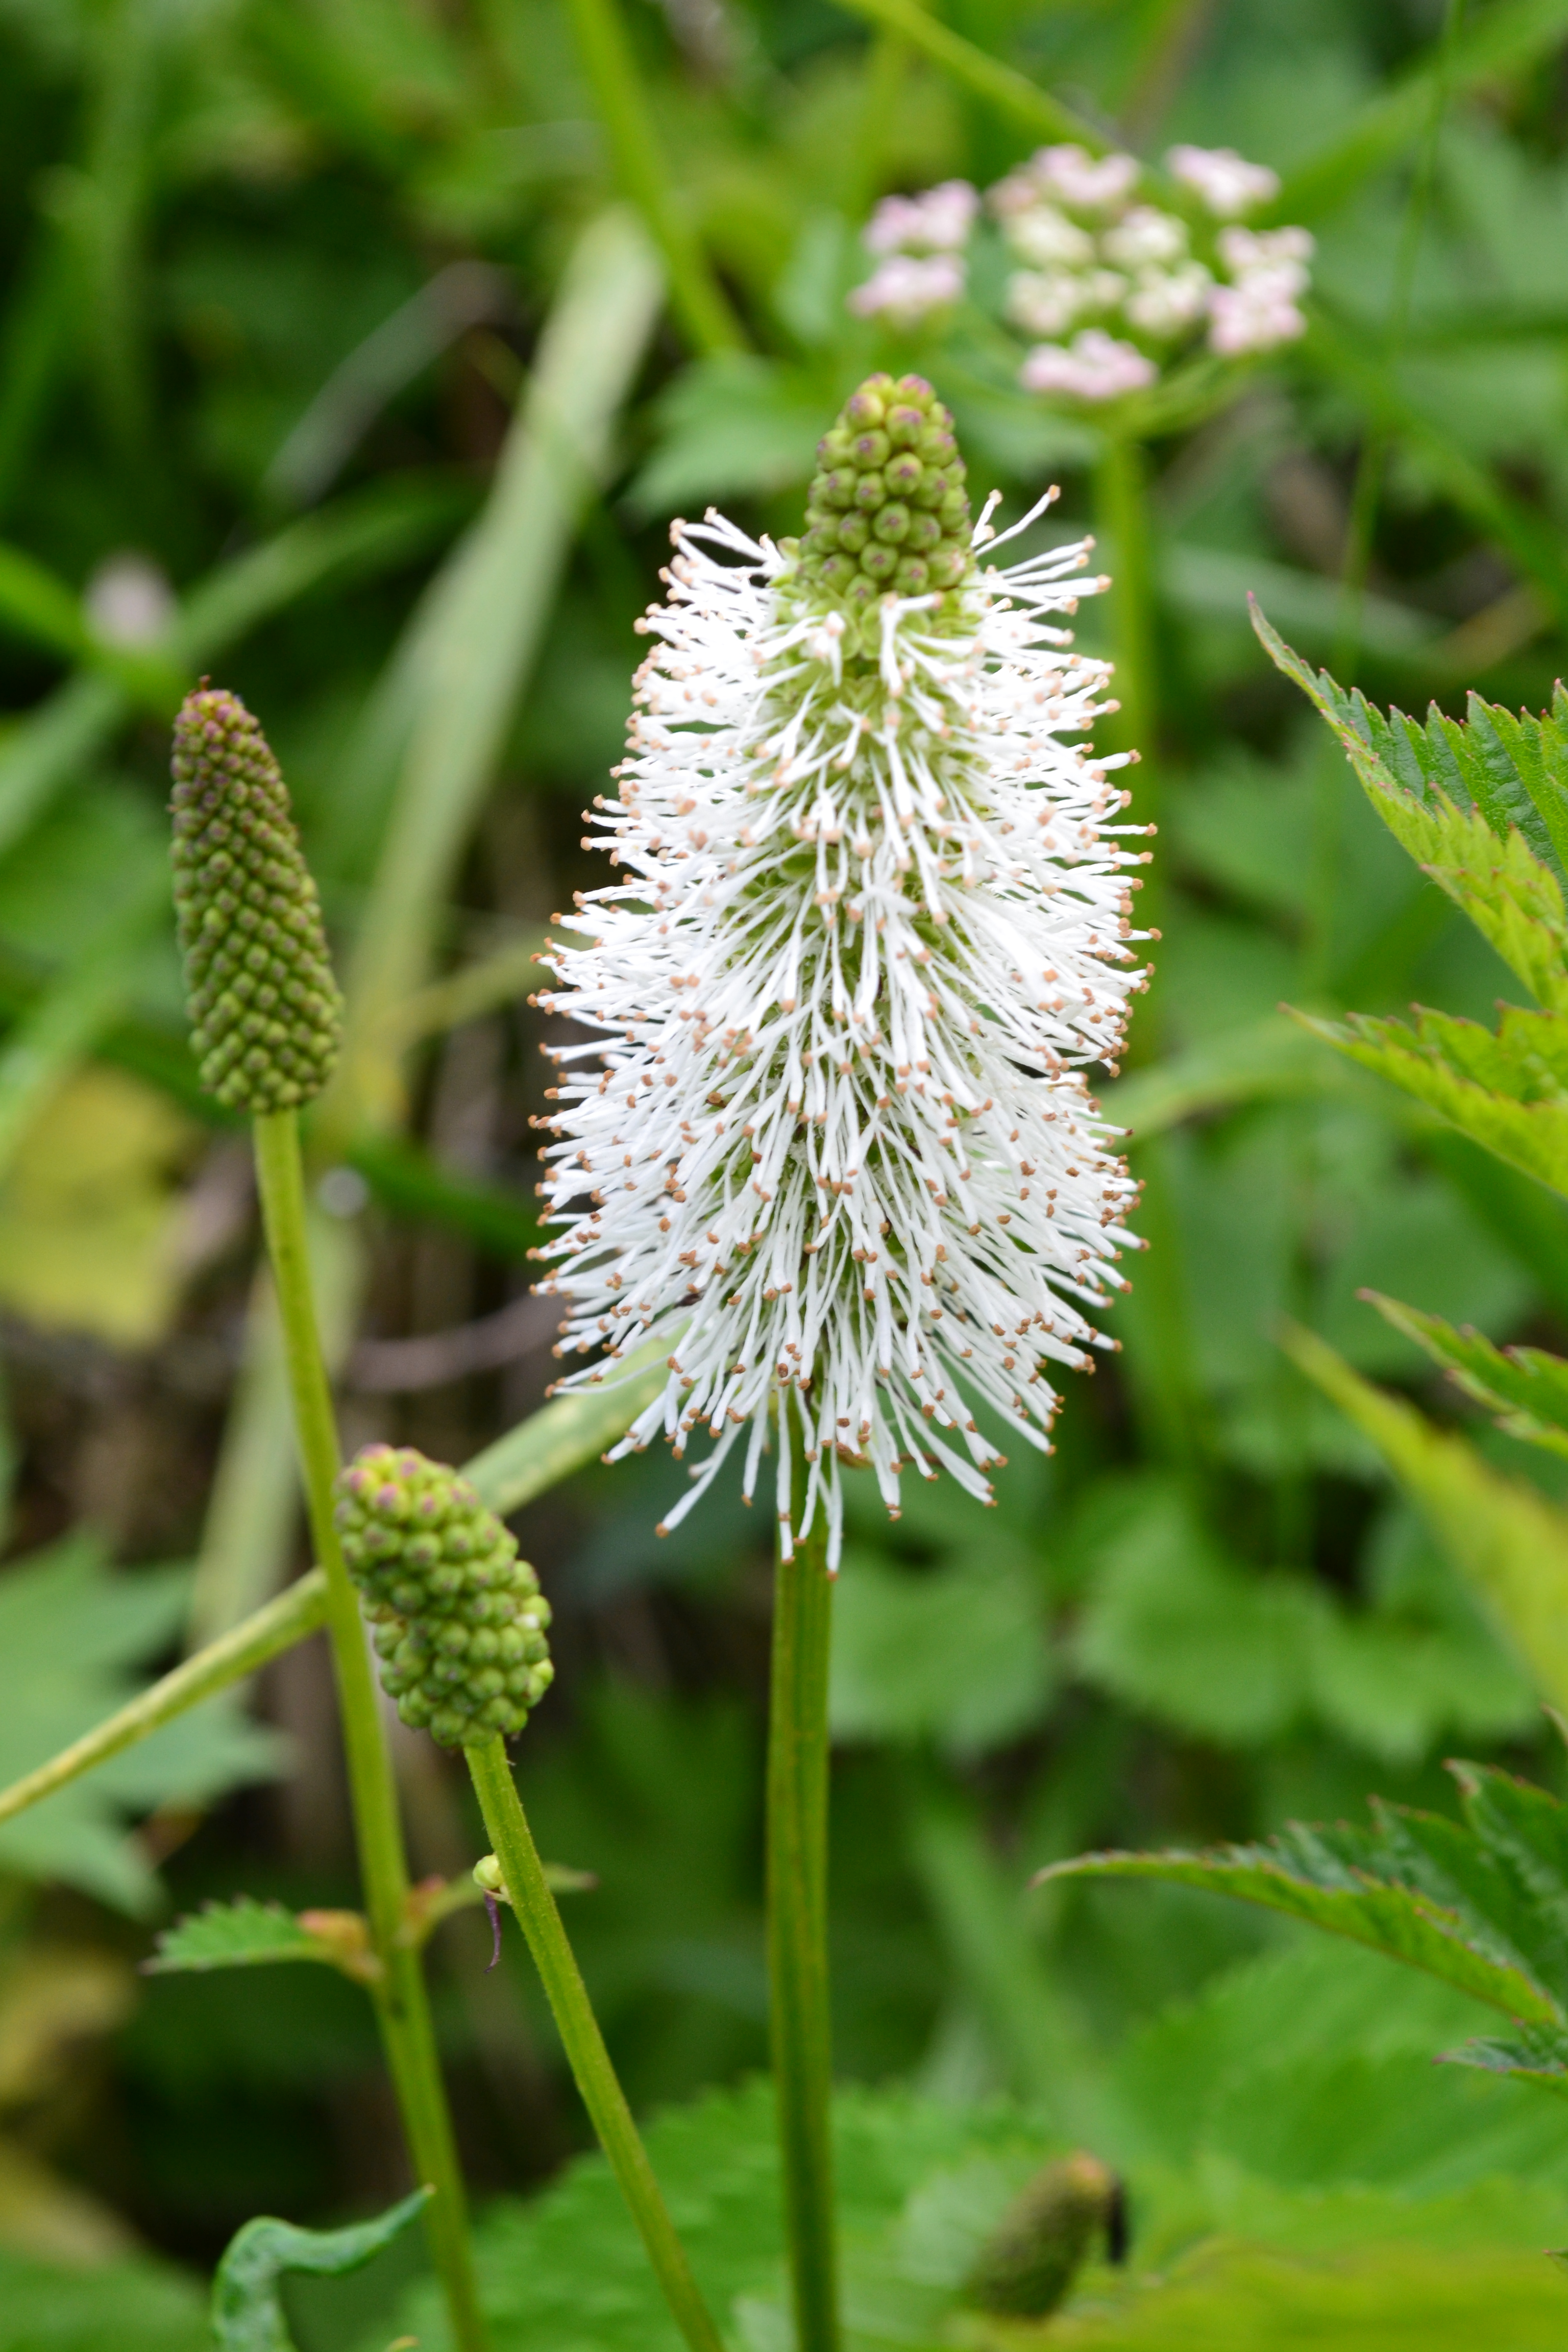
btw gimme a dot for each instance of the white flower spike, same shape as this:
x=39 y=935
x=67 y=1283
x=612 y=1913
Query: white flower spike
x=829 y=1134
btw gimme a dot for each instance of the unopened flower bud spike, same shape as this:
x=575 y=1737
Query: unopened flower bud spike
x=460 y=1627
x=266 y=1014
x=265 y=1019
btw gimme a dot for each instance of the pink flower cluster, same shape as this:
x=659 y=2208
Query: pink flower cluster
x=1092 y=261
x=1259 y=308
x=1226 y=181
x=1096 y=366
x=919 y=239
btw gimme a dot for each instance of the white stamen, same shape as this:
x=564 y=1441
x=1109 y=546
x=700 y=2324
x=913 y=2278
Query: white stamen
x=871 y=920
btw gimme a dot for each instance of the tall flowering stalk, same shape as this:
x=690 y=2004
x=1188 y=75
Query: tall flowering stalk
x=265 y=1022
x=460 y=1628
x=828 y=1134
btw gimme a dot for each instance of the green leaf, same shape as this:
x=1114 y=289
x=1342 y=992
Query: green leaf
x=1482 y=808
x=455 y=676
x=1483 y=1904
x=980 y=1912
x=957 y=1654
x=1179 y=1630
x=1506 y=1539
x=1507 y=1111
x=730 y=424
x=1230 y=2297
x=125 y=2306
x=1002 y=85
x=243 y=1934
x=1525 y=1386
x=71 y=1629
x=1182 y=1633
x=1502 y=40
x=1262 y=1061
x=1346 y=1881
x=246 y=2309
x=1538 y=2055
x=367 y=531
x=567 y=2268
x=39 y=606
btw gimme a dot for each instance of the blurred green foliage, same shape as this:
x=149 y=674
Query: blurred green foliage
x=277 y=275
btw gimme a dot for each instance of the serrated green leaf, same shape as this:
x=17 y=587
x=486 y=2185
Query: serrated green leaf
x=1524 y=1828
x=1506 y=1539
x=1515 y=767
x=1525 y=1386
x=1538 y=2053
x=247 y=2310
x=1334 y=1879
x=1436 y=1063
x=1481 y=807
x=239 y=1934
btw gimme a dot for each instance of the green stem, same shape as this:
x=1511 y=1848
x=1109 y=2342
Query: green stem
x=611 y=72
x=1121 y=513
x=1159 y=1313
x=797 y=1928
x=401 y=2001
x=887 y=67
x=527 y=1892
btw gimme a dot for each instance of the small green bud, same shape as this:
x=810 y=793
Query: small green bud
x=1029 y=2263
x=487 y=1876
x=887 y=510
x=264 y=1012
x=459 y=1619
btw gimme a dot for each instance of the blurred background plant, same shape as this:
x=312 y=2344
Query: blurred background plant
x=362 y=349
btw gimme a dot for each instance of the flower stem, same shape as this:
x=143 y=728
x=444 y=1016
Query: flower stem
x=797 y=1928
x=529 y=1894
x=1121 y=511
x=1160 y=1311
x=401 y=2001
x=610 y=64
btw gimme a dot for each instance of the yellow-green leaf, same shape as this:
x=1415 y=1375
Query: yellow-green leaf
x=1507 y=1540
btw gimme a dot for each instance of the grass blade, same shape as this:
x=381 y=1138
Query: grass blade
x=1003 y=85
x=612 y=71
x=477 y=635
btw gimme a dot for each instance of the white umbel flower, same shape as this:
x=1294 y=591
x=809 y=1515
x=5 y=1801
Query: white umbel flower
x=829 y=1133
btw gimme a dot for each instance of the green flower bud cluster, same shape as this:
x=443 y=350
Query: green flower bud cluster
x=266 y=1014
x=459 y=1619
x=1029 y=2263
x=886 y=508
